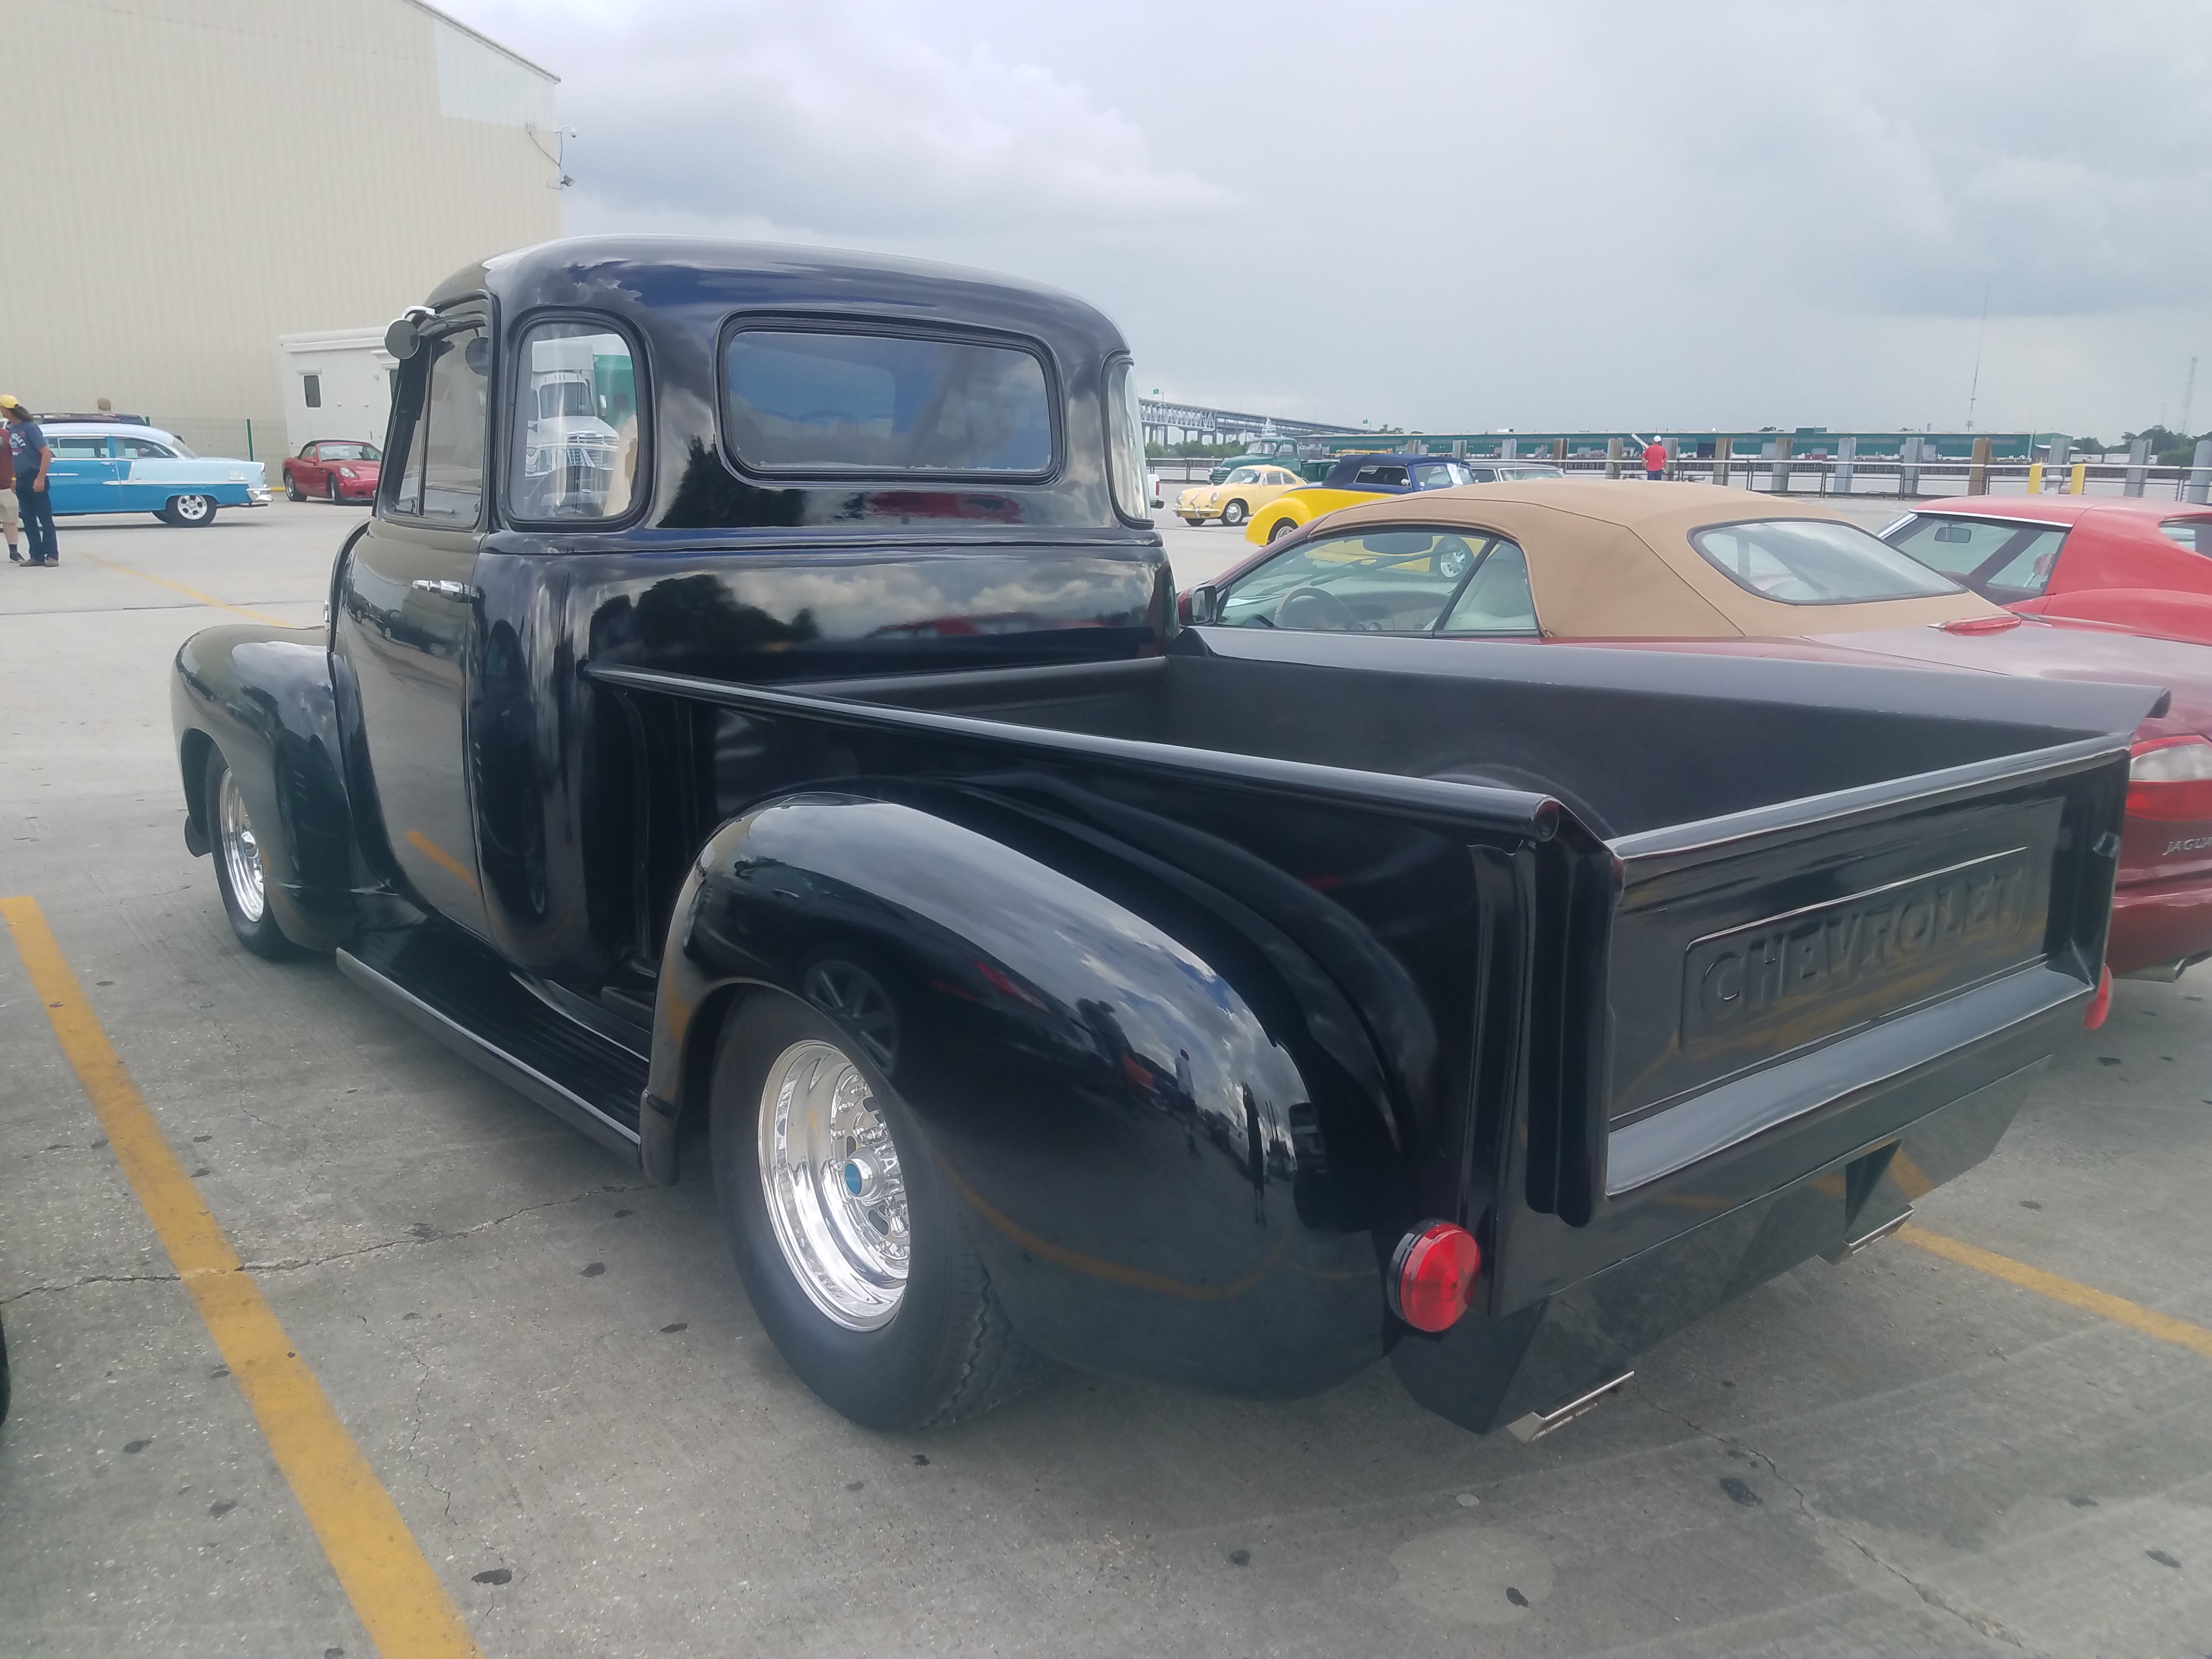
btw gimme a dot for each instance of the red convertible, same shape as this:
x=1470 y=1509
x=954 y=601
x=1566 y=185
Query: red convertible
x=2143 y=565
x=1693 y=568
x=336 y=471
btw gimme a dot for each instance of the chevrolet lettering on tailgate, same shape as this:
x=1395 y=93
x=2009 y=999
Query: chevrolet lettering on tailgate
x=1760 y=974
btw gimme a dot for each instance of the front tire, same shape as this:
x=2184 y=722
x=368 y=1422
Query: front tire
x=331 y=483
x=854 y=1252
x=241 y=876
x=1234 y=514
x=189 y=512
x=1277 y=530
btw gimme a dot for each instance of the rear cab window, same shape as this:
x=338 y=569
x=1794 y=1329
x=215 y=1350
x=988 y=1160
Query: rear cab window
x=1814 y=562
x=798 y=401
x=1393 y=581
x=2004 y=561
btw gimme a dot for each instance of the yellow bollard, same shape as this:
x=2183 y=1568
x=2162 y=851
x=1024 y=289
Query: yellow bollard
x=2035 y=478
x=2077 y=482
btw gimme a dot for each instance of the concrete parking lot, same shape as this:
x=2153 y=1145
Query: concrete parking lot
x=549 y=1368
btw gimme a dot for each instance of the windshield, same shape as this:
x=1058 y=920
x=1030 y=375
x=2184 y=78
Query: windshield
x=2005 y=562
x=564 y=400
x=2195 y=534
x=1815 y=562
x=1394 y=582
x=351 y=452
x=879 y=403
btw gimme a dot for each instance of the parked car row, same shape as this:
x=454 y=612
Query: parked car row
x=2026 y=588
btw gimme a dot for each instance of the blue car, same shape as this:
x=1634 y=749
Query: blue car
x=120 y=466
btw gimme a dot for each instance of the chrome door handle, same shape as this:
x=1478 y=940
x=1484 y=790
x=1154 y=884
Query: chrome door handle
x=445 y=590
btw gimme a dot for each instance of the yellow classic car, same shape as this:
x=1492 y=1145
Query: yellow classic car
x=1244 y=492
x=1362 y=478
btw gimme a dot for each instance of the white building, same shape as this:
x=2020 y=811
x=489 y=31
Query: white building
x=335 y=384
x=190 y=180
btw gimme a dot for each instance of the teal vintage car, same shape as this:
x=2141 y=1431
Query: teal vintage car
x=122 y=466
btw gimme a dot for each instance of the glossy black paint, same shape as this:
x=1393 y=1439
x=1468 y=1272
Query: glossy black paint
x=1211 y=961
x=264 y=697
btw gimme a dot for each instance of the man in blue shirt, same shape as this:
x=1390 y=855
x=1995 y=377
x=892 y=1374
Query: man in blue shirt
x=29 y=451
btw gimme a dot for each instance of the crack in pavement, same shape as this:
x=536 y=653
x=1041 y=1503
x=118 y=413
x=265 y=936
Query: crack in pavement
x=92 y=1279
x=291 y=1264
x=1986 y=1625
x=294 y=1263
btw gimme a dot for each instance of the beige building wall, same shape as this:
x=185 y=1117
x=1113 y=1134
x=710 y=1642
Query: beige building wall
x=190 y=178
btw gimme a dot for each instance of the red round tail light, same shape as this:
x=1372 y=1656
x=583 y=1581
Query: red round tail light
x=1432 y=1274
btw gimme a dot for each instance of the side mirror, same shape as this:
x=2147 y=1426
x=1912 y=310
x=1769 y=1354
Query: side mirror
x=404 y=337
x=1199 y=606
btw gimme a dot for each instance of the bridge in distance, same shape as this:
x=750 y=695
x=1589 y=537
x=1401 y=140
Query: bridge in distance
x=1213 y=426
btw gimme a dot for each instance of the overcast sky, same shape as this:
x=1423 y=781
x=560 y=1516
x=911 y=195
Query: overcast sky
x=1472 y=216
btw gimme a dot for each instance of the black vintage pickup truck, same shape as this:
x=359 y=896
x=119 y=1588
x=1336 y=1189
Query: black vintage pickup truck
x=755 y=722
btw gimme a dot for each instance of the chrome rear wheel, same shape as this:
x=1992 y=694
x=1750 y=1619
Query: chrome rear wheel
x=835 y=1194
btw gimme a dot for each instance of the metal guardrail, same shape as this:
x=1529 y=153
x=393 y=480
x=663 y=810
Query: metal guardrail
x=1820 y=476
x=1817 y=476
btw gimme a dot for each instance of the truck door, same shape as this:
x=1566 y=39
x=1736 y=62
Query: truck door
x=407 y=621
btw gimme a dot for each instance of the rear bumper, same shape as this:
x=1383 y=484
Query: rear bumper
x=1486 y=1372
x=2159 y=921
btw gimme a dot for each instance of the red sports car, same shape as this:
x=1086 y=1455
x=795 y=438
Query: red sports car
x=336 y=471
x=1693 y=568
x=2144 y=565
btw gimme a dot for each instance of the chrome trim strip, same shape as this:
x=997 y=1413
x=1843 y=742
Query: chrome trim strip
x=1537 y=1424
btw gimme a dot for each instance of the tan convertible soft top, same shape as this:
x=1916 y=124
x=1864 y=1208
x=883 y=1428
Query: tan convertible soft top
x=1612 y=559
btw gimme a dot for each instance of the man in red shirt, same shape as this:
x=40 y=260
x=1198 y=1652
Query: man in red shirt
x=1655 y=460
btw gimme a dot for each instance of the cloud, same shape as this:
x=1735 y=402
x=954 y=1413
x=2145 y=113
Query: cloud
x=1489 y=214
x=839 y=118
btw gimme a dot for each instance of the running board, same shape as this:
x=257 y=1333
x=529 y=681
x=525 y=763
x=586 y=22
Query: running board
x=471 y=1002
x=1537 y=1424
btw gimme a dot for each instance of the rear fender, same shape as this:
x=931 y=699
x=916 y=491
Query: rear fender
x=262 y=696
x=1165 y=1167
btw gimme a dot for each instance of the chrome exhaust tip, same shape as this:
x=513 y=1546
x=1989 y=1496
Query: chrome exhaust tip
x=1537 y=1424
x=1850 y=1247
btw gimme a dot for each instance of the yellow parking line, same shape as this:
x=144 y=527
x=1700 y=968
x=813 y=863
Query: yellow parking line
x=398 y=1598
x=2118 y=1309
x=189 y=593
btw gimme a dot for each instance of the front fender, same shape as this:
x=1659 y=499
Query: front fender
x=1170 y=1168
x=263 y=697
x=1301 y=507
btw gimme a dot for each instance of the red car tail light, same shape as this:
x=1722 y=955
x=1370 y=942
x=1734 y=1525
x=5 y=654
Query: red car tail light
x=2171 y=779
x=1432 y=1275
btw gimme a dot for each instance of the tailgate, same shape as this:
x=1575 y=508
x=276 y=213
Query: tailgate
x=1787 y=987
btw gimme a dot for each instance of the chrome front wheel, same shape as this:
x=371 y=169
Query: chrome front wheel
x=835 y=1191
x=241 y=876
x=240 y=852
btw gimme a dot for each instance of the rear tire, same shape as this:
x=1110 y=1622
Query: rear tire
x=241 y=875
x=292 y=490
x=1280 y=529
x=189 y=512
x=889 y=1353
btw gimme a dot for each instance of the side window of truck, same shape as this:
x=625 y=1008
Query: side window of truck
x=443 y=480
x=575 y=424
